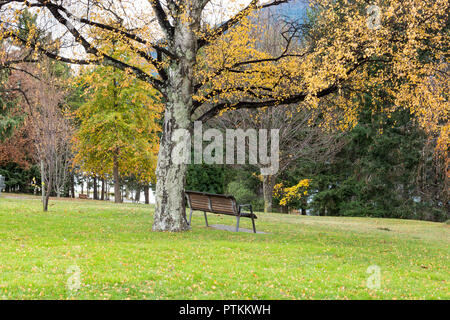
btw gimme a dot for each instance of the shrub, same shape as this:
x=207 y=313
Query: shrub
x=245 y=195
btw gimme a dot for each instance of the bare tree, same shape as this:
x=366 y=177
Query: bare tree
x=51 y=130
x=300 y=134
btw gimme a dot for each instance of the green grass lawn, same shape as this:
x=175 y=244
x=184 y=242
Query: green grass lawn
x=118 y=257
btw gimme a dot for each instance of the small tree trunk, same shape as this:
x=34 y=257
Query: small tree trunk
x=116 y=176
x=47 y=195
x=72 y=184
x=102 y=196
x=284 y=209
x=304 y=205
x=137 y=196
x=95 y=188
x=42 y=183
x=147 y=194
x=268 y=182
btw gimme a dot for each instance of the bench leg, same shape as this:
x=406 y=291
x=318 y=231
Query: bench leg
x=206 y=219
x=253 y=223
x=237 y=225
x=190 y=217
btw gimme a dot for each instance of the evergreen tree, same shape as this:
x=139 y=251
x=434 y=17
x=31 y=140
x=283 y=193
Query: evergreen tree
x=9 y=120
x=375 y=174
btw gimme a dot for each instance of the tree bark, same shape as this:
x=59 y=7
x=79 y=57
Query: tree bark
x=147 y=194
x=284 y=209
x=116 y=176
x=137 y=196
x=42 y=184
x=95 y=188
x=72 y=184
x=88 y=188
x=46 y=199
x=304 y=205
x=102 y=196
x=268 y=183
x=170 y=211
x=47 y=192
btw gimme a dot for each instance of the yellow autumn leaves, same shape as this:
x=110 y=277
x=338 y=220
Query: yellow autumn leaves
x=289 y=194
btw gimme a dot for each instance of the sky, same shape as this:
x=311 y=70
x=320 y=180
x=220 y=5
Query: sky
x=139 y=11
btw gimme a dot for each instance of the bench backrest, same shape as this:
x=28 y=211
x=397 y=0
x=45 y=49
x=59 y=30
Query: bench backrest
x=216 y=203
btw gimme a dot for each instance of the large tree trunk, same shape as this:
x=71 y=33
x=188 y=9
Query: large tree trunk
x=170 y=212
x=116 y=176
x=268 y=183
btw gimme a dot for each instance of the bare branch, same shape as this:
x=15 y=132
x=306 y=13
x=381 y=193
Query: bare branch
x=224 y=27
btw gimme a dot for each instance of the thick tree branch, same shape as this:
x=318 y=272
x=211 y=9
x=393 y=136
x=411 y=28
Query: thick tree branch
x=260 y=104
x=232 y=68
x=161 y=16
x=296 y=98
x=104 y=58
x=122 y=32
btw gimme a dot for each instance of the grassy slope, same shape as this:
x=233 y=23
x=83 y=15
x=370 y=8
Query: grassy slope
x=301 y=258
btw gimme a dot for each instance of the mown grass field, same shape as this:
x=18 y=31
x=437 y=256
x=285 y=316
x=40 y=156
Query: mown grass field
x=118 y=257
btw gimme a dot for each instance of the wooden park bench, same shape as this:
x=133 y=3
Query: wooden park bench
x=219 y=204
x=83 y=196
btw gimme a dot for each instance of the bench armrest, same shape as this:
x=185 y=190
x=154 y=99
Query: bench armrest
x=241 y=206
